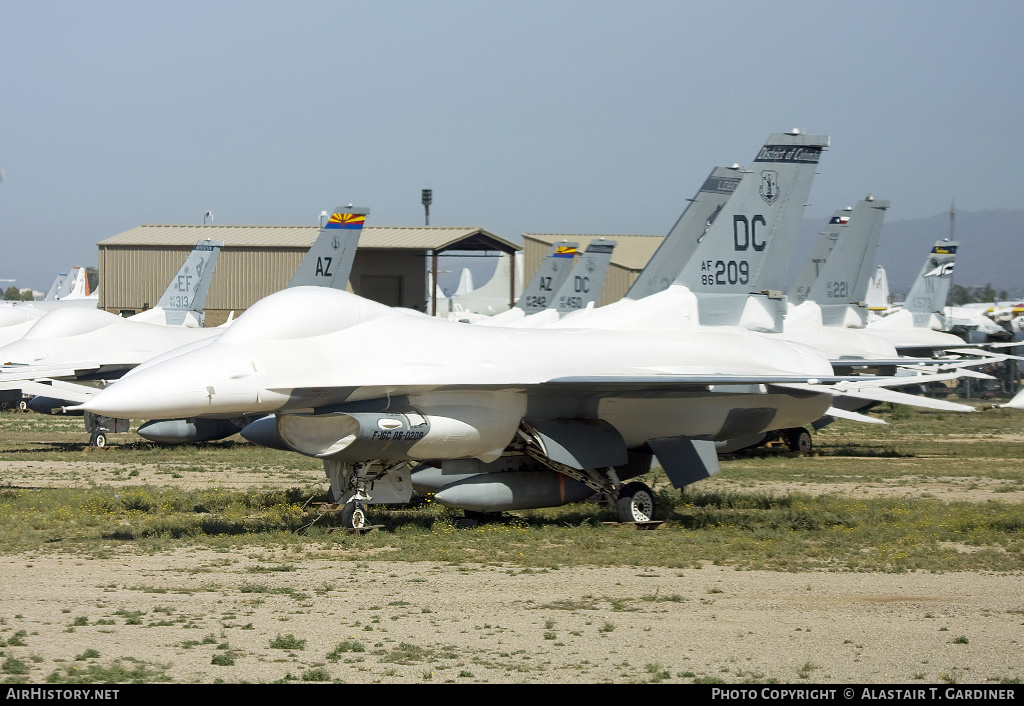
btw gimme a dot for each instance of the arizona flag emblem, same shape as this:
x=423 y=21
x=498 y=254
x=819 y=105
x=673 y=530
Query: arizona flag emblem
x=346 y=220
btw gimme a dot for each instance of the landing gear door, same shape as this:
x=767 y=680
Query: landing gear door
x=98 y=423
x=395 y=487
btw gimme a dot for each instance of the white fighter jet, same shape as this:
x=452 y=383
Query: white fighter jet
x=89 y=344
x=525 y=399
x=327 y=264
x=69 y=289
x=512 y=417
x=79 y=345
x=539 y=405
x=79 y=342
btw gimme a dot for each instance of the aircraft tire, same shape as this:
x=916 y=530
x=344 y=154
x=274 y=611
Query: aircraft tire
x=635 y=503
x=353 y=515
x=99 y=439
x=799 y=440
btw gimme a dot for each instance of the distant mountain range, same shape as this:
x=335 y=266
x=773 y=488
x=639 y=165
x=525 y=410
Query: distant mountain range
x=991 y=243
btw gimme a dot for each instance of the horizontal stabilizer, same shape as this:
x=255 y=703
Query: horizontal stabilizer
x=853 y=416
x=1017 y=402
x=881 y=394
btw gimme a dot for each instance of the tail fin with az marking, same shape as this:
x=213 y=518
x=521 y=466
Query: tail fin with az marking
x=580 y=290
x=329 y=260
x=539 y=294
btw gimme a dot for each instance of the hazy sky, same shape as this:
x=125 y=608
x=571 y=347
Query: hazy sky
x=561 y=116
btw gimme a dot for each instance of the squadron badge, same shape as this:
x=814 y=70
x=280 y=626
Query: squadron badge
x=769 y=186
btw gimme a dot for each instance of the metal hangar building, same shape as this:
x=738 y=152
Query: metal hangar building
x=392 y=264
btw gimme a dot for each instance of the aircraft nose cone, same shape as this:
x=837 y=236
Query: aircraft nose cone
x=189 y=385
x=141 y=397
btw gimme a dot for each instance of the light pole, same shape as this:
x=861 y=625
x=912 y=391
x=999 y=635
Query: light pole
x=427 y=197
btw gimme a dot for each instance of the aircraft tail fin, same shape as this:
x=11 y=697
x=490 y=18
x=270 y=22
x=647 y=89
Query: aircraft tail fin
x=743 y=253
x=539 y=294
x=465 y=282
x=842 y=286
x=55 y=288
x=185 y=296
x=584 y=284
x=823 y=247
x=75 y=285
x=686 y=235
x=329 y=260
x=927 y=298
x=878 y=291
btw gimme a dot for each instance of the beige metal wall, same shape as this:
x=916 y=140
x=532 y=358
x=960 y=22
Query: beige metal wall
x=133 y=278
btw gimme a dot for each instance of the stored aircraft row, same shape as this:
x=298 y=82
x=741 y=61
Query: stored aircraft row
x=579 y=402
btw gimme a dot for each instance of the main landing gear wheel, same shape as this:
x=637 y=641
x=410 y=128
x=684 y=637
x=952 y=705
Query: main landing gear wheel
x=799 y=440
x=353 y=515
x=635 y=504
x=99 y=439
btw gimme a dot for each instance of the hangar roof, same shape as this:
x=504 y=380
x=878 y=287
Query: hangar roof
x=632 y=252
x=436 y=238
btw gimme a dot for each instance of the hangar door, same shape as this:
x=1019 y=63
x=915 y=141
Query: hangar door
x=386 y=289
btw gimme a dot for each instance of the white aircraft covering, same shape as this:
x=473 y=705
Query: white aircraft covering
x=518 y=417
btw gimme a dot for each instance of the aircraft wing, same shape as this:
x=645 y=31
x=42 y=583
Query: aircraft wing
x=877 y=393
x=666 y=385
x=19 y=373
x=988 y=356
x=617 y=384
x=58 y=389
